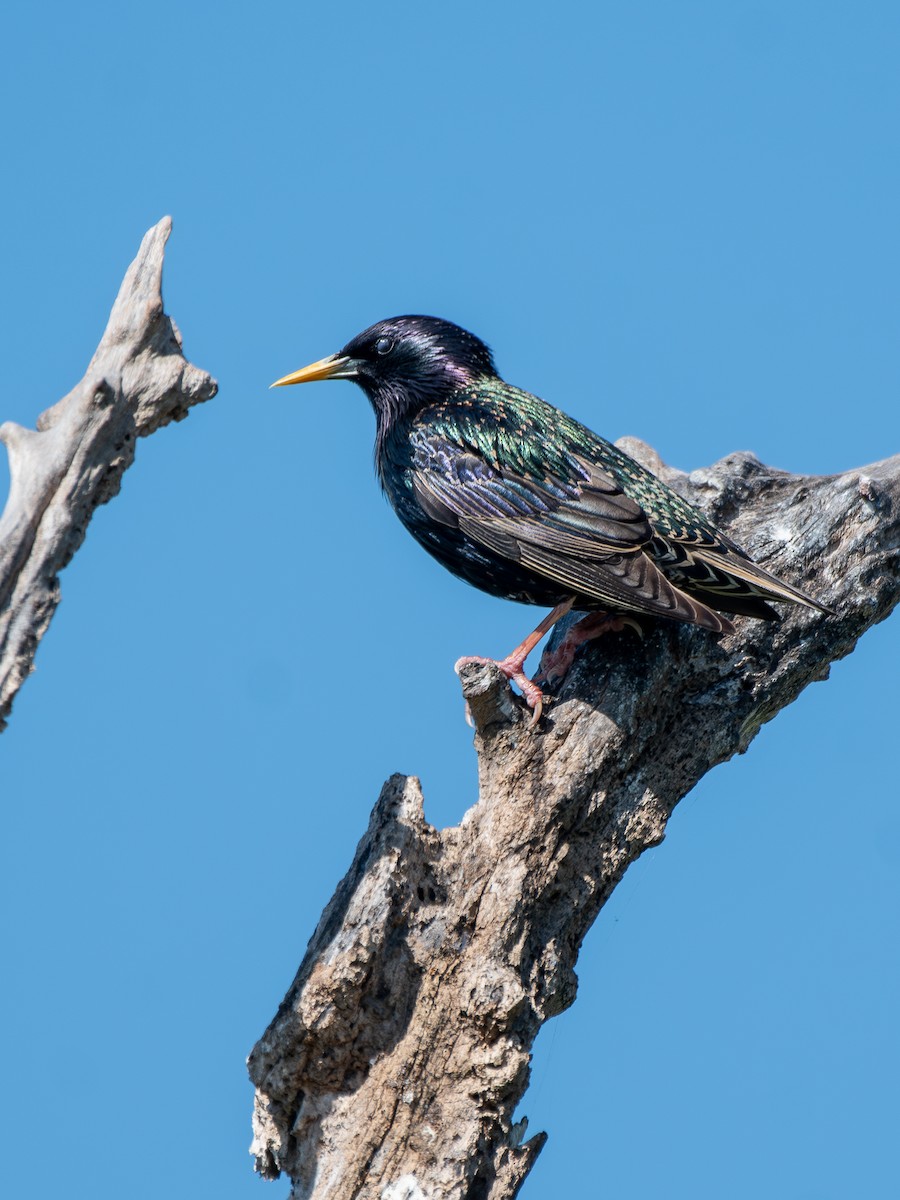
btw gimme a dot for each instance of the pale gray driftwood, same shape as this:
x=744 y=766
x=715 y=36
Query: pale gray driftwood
x=137 y=381
x=395 y=1062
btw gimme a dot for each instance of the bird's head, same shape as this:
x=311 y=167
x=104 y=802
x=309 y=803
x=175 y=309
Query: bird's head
x=404 y=363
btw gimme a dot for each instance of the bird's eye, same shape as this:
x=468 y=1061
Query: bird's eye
x=384 y=345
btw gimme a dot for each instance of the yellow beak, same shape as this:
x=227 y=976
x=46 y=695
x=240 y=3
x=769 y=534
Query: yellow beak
x=336 y=366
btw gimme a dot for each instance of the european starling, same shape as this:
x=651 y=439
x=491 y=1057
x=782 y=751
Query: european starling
x=522 y=501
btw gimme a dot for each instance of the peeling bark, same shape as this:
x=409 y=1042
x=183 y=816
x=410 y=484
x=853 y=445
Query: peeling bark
x=137 y=381
x=394 y=1065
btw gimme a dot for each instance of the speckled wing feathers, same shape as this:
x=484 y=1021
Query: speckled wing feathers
x=518 y=479
x=587 y=537
x=574 y=520
x=627 y=582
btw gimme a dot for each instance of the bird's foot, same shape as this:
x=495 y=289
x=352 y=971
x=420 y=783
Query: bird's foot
x=512 y=666
x=555 y=664
x=512 y=669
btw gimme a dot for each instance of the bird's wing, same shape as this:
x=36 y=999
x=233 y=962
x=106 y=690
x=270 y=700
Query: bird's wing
x=693 y=552
x=723 y=574
x=581 y=530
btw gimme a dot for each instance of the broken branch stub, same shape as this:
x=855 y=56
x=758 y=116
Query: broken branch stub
x=137 y=380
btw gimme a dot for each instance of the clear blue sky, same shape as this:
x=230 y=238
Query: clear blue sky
x=678 y=221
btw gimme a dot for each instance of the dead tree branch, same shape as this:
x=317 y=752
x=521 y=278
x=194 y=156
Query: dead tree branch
x=137 y=381
x=395 y=1062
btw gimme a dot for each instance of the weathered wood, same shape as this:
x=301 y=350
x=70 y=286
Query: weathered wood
x=137 y=381
x=396 y=1060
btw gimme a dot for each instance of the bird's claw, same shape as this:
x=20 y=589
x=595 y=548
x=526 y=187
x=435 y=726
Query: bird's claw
x=532 y=694
x=512 y=668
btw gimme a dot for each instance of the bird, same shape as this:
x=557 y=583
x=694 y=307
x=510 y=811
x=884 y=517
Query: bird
x=517 y=498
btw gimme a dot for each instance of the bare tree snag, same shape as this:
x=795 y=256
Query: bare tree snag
x=137 y=381
x=394 y=1065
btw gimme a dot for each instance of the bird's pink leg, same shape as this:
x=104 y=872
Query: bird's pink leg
x=555 y=664
x=512 y=665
